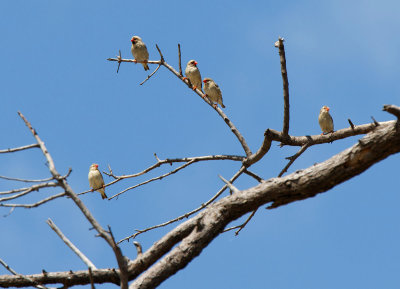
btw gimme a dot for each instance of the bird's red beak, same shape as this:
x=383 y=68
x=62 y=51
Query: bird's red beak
x=97 y=166
x=327 y=108
x=204 y=80
x=133 y=41
x=195 y=63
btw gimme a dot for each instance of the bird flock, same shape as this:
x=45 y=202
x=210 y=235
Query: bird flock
x=211 y=90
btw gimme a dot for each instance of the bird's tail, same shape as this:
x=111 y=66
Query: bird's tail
x=103 y=194
x=146 y=67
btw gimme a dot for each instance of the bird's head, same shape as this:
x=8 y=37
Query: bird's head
x=206 y=80
x=192 y=63
x=326 y=108
x=94 y=166
x=135 y=39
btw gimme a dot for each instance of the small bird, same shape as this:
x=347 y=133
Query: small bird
x=96 y=180
x=325 y=120
x=213 y=92
x=193 y=73
x=139 y=51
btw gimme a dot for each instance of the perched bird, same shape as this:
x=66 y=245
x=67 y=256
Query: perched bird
x=193 y=73
x=96 y=180
x=212 y=91
x=325 y=120
x=139 y=51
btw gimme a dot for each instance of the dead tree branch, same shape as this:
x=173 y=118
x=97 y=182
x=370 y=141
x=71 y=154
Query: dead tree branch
x=178 y=247
x=281 y=47
x=199 y=93
x=19 y=148
x=70 y=193
x=71 y=245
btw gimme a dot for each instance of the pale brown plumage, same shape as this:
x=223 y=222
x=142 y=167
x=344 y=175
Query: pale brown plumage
x=139 y=51
x=96 y=181
x=325 y=120
x=213 y=91
x=193 y=73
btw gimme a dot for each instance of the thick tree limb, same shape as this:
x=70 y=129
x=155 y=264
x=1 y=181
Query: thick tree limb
x=195 y=234
x=307 y=183
x=273 y=135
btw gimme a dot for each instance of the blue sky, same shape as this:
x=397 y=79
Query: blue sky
x=344 y=54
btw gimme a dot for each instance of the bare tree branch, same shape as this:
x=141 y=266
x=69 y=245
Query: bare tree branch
x=26 y=190
x=187 y=214
x=12 y=271
x=180 y=61
x=351 y=123
x=69 y=192
x=159 y=163
x=196 y=233
x=279 y=44
x=293 y=158
x=251 y=174
x=71 y=245
x=296 y=186
x=395 y=110
x=19 y=148
x=34 y=205
x=198 y=92
x=150 y=75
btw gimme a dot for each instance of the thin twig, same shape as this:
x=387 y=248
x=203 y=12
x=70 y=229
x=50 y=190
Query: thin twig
x=119 y=57
x=280 y=45
x=292 y=159
x=230 y=186
x=25 y=180
x=240 y=227
x=375 y=122
x=150 y=75
x=180 y=63
x=37 y=204
x=351 y=123
x=35 y=145
x=91 y=278
x=153 y=179
x=71 y=245
x=167 y=161
x=26 y=190
x=138 y=232
x=161 y=55
x=251 y=174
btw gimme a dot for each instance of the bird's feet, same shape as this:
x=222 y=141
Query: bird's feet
x=204 y=96
x=184 y=78
x=92 y=190
x=194 y=87
x=215 y=105
x=135 y=61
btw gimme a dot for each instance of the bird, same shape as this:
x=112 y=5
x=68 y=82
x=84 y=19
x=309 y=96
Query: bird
x=139 y=51
x=96 y=180
x=213 y=92
x=325 y=120
x=193 y=73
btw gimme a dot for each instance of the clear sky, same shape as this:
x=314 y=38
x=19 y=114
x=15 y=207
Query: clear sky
x=344 y=54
